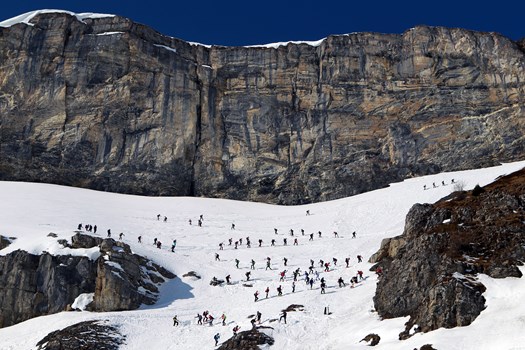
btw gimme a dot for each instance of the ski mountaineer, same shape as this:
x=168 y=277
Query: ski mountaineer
x=283 y=316
x=256 y=296
x=216 y=337
x=175 y=321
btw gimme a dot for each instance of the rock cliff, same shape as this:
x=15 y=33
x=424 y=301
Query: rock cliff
x=109 y=104
x=34 y=285
x=430 y=270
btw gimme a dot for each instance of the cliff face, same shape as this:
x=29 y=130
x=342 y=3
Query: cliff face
x=34 y=285
x=430 y=271
x=113 y=105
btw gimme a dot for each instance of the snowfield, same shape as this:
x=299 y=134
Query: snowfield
x=30 y=211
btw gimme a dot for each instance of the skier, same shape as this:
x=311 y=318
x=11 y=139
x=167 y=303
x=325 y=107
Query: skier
x=273 y=242
x=443 y=183
x=424 y=187
x=321 y=262
x=158 y=216
x=291 y=232
x=233 y=227
x=201 y=217
x=217 y=257
x=258 y=317
x=159 y=244
x=353 y=234
x=223 y=318
x=323 y=286
x=236 y=244
x=267 y=290
x=359 y=258
x=347 y=261
x=319 y=233
x=293 y=287
x=235 y=330
x=275 y=230
x=302 y=232
x=283 y=316
x=311 y=282
x=120 y=235
x=216 y=337
x=109 y=233
x=311 y=237
x=260 y=242
x=334 y=261
x=256 y=295
x=336 y=235
x=155 y=241
x=230 y=240
x=268 y=263
x=284 y=241
x=285 y=261
x=199 y=223
x=174 y=243
x=221 y=246
x=247 y=276
x=341 y=282
x=79 y=227
x=165 y=219
x=279 y=290
x=360 y=274
x=210 y=319
x=175 y=321
x=199 y=319
x=307 y=212
x=282 y=274
x=95 y=229
x=252 y=266
x=295 y=242
x=327 y=267
x=140 y=239
x=189 y=221
x=228 y=279
x=237 y=263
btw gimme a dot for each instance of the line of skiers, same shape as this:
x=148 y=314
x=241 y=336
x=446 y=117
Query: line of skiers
x=435 y=186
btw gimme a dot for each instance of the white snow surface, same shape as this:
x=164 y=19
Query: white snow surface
x=29 y=211
x=26 y=17
x=82 y=301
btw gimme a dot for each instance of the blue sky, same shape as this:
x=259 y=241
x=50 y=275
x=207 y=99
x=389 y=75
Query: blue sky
x=246 y=22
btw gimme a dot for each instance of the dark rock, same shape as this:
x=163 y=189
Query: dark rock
x=88 y=335
x=216 y=282
x=192 y=274
x=34 y=285
x=372 y=338
x=294 y=307
x=368 y=109
x=247 y=340
x=52 y=234
x=64 y=243
x=429 y=272
x=4 y=241
x=427 y=347
x=85 y=241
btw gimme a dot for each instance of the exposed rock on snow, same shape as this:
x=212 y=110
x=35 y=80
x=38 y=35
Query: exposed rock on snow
x=89 y=335
x=247 y=340
x=372 y=338
x=33 y=285
x=429 y=272
x=4 y=241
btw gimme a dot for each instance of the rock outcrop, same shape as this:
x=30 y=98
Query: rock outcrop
x=429 y=272
x=89 y=335
x=248 y=340
x=110 y=104
x=4 y=242
x=34 y=285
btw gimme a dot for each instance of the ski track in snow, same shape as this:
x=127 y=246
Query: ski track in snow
x=30 y=211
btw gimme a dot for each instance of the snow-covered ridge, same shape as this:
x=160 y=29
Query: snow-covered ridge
x=26 y=17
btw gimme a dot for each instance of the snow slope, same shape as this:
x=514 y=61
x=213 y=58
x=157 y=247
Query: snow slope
x=30 y=211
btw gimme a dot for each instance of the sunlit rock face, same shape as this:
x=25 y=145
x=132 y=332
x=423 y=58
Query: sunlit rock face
x=113 y=105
